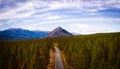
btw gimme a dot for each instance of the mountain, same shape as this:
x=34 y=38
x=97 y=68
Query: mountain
x=58 y=32
x=17 y=33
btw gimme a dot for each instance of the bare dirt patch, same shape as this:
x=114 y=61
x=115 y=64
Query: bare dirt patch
x=51 y=65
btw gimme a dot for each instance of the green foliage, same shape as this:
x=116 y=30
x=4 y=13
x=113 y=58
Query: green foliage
x=98 y=51
x=27 y=54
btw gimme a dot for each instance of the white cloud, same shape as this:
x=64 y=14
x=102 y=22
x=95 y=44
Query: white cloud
x=53 y=17
x=79 y=25
x=14 y=13
x=48 y=16
x=88 y=29
x=89 y=6
x=58 y=5
x=44 y=6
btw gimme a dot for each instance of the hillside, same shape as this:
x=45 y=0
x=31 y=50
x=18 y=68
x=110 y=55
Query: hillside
x=95 y=51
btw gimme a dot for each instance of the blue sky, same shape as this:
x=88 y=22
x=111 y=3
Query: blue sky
x=78 y=16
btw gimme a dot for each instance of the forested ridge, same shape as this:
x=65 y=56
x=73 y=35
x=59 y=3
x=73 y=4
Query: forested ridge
x=96 y=51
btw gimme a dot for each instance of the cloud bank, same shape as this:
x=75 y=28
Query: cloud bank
x=48 y=14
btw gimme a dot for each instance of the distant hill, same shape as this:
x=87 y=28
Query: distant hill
x=17 y=33
x=58 y=32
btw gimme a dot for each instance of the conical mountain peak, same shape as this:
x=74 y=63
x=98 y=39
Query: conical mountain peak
x=58 y=29
x=58 y=32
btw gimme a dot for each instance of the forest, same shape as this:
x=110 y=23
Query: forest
x=25 y=54
x=95 y=51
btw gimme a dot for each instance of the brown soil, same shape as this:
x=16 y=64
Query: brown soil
x=51 y=65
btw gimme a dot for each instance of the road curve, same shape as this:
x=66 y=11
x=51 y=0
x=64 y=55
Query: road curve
x=58 y=61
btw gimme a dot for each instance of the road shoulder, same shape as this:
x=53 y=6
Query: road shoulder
x=51 y=64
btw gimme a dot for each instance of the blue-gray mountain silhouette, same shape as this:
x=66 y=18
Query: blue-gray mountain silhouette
x=17 y=33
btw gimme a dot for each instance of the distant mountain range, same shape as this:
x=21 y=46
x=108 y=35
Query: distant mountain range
x=17 y=34
x=58 y=32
